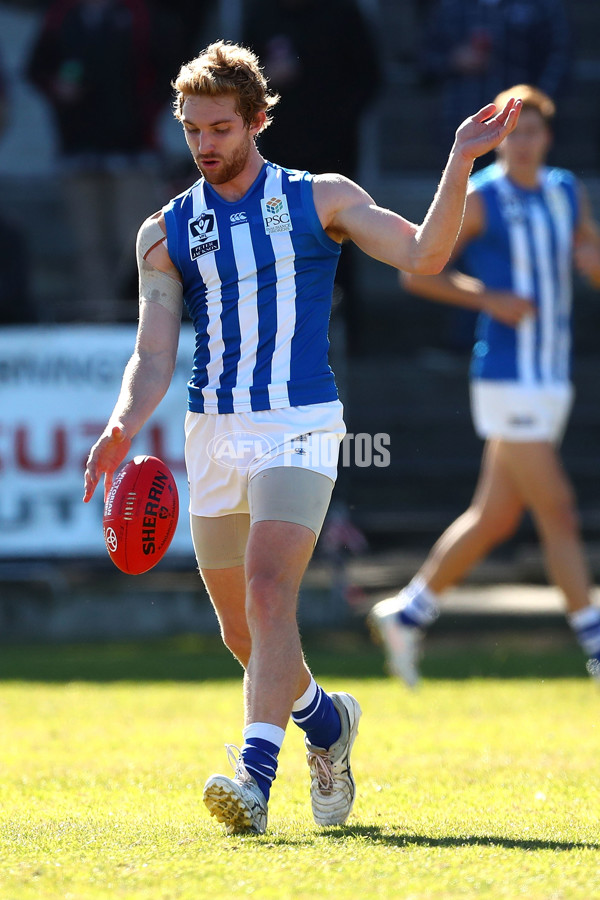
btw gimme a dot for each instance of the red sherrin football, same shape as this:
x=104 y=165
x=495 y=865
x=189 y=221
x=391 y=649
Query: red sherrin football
x=140 y=514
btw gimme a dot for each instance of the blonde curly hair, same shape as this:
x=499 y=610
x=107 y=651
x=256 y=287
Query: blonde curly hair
x=226 y=68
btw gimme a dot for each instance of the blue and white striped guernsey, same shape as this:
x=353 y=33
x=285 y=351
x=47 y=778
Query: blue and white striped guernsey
x=527 y=248
x=257 y=280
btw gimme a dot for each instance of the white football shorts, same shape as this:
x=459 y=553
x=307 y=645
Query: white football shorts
x=516 y=412
x=224 y=451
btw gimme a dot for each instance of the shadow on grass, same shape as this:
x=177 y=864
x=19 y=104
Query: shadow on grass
x=340 y=655
x=378 y=835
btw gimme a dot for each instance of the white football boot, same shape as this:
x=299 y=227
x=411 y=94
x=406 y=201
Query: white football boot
x=332 y=787
x=237 y=802
x=402 y=643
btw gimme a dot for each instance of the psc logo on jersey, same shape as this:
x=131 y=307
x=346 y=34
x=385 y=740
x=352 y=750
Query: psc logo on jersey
x=276 y=215
x=203 y=234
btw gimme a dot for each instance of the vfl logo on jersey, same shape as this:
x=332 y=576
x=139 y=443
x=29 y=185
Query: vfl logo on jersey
x=276 y=215
x=203 y=234
x=238 y=218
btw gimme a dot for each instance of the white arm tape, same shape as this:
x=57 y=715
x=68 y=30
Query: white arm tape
x=156 y=286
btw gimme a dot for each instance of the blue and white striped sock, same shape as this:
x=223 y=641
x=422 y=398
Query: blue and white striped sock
x=421 y=608
x=586 y=625
x=316 y=715
x=262 y=743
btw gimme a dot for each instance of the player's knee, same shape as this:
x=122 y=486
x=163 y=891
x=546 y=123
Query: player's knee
x=268 y=600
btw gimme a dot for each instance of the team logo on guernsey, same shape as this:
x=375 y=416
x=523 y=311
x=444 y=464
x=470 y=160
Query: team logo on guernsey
x=203 y=234
x=512 y=208
x=276 y=215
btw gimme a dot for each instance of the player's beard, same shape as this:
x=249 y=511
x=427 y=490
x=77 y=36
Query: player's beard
x=230 y=167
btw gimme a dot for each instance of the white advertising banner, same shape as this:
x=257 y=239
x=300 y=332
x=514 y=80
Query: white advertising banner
x=58 y=385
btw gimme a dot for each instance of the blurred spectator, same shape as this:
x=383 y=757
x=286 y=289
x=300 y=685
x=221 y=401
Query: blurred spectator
x=16 y=306
x=105 y=67
x=473 y=49
x=323 y=59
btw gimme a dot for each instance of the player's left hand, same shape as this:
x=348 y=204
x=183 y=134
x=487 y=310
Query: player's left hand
x=486 y=129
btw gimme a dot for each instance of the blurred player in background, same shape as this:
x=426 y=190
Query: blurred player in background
x=524 y=225
x=252 y=249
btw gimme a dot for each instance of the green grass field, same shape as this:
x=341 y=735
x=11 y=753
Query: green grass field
x=483 y=784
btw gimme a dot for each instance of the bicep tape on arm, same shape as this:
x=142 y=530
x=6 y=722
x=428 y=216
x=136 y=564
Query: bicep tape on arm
x=156 y=286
